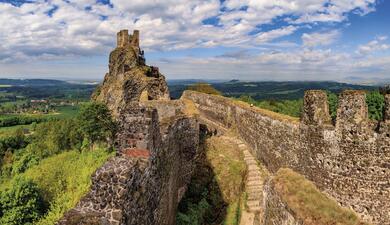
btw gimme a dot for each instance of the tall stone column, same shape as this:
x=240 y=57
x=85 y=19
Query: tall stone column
x=315 y=108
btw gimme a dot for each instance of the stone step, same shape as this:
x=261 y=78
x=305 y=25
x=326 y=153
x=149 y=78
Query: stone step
x=254 y=182
x=249 y=159
x=242 y=145
x=255 y=209
x=253 y=178
x=253 y=167
x=251 y=163
x=258 y=193
x=257 y=175
x=255 y=198
x=254 y=187
x=255 y=192
x=253 y=203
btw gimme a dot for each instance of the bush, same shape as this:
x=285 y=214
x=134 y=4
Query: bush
x=204 y=88
x=22 y=203
x=20 y=120
x=333 y=102
x=96 y=123
x=11 y=143
x=375 y=102
x=27 y=161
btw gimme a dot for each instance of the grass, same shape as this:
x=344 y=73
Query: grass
x=64 y=179
x=8 y=131
x=228 y=165
x=310 y=204
x=5 y=85
x=229 y=168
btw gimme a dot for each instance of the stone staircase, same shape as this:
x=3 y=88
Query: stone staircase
x=256 y=175
x=254 y=182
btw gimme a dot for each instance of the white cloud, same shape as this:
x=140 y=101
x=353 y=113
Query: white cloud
x=373 y=46
x=27 y=33
x=273 y=34
x=320 y=39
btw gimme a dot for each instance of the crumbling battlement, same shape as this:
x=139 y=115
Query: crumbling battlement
x=125 y=40
x=349 y=161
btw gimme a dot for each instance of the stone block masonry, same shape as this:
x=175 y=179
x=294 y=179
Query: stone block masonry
x=348 y=161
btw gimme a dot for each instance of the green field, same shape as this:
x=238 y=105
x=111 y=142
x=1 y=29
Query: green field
x=63 y=112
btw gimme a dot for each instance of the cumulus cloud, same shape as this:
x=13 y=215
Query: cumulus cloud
x=320 y=39
x=64 y=30
x=273 y=34
x=374 y=46
x=84 y=27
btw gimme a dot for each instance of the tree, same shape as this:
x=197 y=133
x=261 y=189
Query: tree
x=96 y=122
x=204 y=88
x=375 y=102
x=333 y=104
x=22 y=204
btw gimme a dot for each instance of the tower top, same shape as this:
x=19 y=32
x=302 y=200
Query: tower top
x=124 y=39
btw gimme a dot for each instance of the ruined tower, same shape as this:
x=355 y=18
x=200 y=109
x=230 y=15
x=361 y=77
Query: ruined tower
x=126 y=40
x=129 y=79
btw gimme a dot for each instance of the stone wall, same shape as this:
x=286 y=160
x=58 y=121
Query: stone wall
x=349 y=161
x=144 y=183
x=276 y=211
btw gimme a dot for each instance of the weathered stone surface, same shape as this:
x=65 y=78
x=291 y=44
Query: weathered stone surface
x=276 y=210
x=349 y=161
x=316 y=109
x=129 y=77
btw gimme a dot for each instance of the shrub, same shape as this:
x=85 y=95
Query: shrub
x=26 y=161
x=22 y=203
x=204 y=88
x=96 y=123
x=375 y=102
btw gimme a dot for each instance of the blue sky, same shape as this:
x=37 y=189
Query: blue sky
x=209 y=39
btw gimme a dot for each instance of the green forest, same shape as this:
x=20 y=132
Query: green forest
x=46 y=171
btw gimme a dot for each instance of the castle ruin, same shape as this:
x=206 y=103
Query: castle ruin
x=158 y=140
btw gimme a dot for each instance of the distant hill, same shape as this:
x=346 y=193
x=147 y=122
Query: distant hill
x=31 y=82
x=12 y=89
x=261 y=90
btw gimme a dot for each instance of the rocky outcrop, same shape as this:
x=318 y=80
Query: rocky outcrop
x=129 y=79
